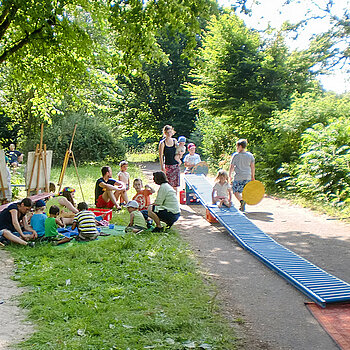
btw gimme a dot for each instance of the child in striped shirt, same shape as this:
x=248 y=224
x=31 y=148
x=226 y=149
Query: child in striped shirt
x=86 y=222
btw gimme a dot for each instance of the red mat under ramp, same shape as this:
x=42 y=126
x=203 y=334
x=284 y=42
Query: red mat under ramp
x=335 y=319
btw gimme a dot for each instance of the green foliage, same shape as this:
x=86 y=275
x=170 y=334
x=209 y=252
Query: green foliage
x=240 y=81
x=283 y=145
x=158 y=98
x=322 y=171
x=79 y=48
x=94 y=141
x=219 y=138
x=9 y=130
x=331 y=47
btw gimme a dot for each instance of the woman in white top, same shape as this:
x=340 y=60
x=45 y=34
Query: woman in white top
x=166 y=206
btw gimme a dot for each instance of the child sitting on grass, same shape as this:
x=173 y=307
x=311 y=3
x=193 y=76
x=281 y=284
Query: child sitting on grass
x=222 y=191
x=124 y=177
x=51 y=224
x=137 y=222
x=38 y=219
x=180 y=149
x=85 y=220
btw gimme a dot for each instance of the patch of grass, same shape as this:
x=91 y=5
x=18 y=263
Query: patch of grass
x=321 y=207
x=142 y=157
x=121 y=292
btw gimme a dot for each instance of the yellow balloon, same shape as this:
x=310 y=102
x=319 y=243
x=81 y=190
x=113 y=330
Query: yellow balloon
x=253 y=192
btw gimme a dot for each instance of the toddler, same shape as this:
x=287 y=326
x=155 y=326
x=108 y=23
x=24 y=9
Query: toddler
x=38 y=219
x=124 y=177
x=137 y=222
x=222 y=191
x=85 y=220
x=180 y=149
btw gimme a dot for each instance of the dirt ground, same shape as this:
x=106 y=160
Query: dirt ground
x=13 y=327
x=265 y=311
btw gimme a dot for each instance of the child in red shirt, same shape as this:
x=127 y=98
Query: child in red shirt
x=142 y=197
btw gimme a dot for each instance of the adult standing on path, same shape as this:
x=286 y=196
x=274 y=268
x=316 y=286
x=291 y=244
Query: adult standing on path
x=167 y=151
x=243 y=163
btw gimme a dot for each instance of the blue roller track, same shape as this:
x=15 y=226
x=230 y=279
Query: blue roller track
x=317 y=284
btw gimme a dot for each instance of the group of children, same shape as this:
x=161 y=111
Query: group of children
x=242 y=163
x=46 y=225
x=191 y=159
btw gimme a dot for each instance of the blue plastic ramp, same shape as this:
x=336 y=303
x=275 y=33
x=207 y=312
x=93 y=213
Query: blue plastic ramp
x=317 y=284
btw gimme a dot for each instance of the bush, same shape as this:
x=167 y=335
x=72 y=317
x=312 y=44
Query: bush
x=288 y=126
x=323 y=170
x=93 y=141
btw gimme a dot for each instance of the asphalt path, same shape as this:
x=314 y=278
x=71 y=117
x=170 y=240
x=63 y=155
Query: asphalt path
x=264 y=309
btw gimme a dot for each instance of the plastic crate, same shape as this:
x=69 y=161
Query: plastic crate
x=105 y=213
x=210 y=218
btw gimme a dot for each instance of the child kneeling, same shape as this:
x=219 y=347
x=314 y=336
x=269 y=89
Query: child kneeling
x=137 y=221
x=85 y=220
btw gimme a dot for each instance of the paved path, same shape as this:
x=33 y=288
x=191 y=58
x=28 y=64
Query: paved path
x=273 y=311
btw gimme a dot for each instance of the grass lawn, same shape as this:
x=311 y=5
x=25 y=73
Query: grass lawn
x=120 y=292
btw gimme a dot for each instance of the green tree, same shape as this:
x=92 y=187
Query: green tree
x=77 y=48
x=241 y=80
x=333 y=43
x=158 y=97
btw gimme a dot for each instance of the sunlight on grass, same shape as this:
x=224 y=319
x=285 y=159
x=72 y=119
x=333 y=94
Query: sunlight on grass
x=119 y=292
x=141 y=157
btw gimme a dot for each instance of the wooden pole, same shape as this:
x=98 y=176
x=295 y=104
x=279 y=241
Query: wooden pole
x=76 y=171
x=2 y=186
x=40 y=157
x=66 y=159
x=45 y=170
x=32 y=172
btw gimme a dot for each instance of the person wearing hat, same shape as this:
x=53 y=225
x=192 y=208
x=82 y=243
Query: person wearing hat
x=192 y=158
x=38 y=219
x=137 y=221
x=180 y=149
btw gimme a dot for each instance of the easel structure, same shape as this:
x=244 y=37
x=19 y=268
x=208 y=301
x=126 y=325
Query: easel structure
x=69 y=154
x=3 y=174
x=40 y=164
